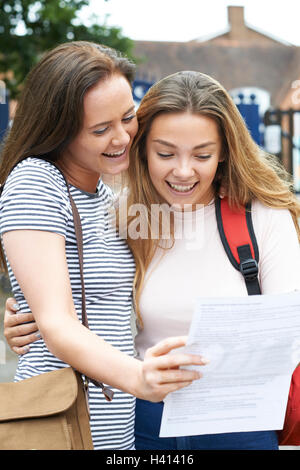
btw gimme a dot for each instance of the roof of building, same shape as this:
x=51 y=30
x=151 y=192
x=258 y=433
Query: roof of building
x=239 y=57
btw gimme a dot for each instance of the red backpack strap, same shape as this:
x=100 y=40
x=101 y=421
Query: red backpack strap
x=239 y=241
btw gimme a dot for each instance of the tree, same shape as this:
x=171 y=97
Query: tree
x=45 y=24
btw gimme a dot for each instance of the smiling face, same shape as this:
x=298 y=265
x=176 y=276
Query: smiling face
x=183 y=152
x=109 y=126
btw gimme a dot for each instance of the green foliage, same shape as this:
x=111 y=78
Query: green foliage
x=45 y=24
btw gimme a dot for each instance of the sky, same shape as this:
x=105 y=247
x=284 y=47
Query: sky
x=185 y=20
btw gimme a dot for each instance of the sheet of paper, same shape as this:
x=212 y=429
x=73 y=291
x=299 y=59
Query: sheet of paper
x=253 y=345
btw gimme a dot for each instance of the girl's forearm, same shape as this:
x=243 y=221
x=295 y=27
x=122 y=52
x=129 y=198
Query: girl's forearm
x=91 y=355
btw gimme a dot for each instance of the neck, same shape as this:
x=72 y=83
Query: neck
x=81 y=178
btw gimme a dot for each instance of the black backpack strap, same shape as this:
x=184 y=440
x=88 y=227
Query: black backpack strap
x=239 y=241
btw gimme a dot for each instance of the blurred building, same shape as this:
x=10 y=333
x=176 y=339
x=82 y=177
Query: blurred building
x=239 y=57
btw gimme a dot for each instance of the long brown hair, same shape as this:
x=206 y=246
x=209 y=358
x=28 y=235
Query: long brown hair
x=50 y=110
x=246 y=173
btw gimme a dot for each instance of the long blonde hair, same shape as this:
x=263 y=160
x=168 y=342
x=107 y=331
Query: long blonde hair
x=247 y=172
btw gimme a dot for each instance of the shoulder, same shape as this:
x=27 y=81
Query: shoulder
x=279 y=248
x=36 y=174
x=274 y=227
x=35 y=197
x=266 y=216
x=37 y=168
x=35 y=184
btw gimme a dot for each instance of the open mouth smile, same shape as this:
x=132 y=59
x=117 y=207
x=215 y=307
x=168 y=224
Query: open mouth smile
x=115 y=154
x=182 y=188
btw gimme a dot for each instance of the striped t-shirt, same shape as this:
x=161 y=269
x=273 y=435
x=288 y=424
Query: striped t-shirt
x=35 y=197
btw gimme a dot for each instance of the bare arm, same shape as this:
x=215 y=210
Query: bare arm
x=38 y=261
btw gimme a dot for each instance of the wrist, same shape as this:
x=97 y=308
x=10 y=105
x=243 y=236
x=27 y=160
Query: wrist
x=137 y=383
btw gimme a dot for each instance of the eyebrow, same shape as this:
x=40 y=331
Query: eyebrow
x=108 y=122
x=169 y=144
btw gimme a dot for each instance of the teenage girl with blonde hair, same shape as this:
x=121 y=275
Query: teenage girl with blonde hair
x=191 y=140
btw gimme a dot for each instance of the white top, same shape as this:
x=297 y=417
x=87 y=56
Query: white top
x=200 y=267
x=35 y=197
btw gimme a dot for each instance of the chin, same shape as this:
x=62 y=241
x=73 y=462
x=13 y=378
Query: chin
x=114 y=171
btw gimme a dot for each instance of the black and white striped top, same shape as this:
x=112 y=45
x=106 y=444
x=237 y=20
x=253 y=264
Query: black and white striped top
x=35 y=197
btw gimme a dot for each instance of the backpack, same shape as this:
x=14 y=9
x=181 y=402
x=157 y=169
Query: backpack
x=239 y=241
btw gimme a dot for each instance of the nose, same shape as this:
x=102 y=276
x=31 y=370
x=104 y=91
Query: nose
x=183 y=171
x=121 y=137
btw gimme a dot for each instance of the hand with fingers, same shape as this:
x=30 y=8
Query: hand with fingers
x=162 y=373
x=20 y=329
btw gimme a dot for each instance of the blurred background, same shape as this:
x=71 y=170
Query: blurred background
x=252 y=47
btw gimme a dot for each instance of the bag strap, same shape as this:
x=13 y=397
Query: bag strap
x=239 y=241
x=108 y=393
